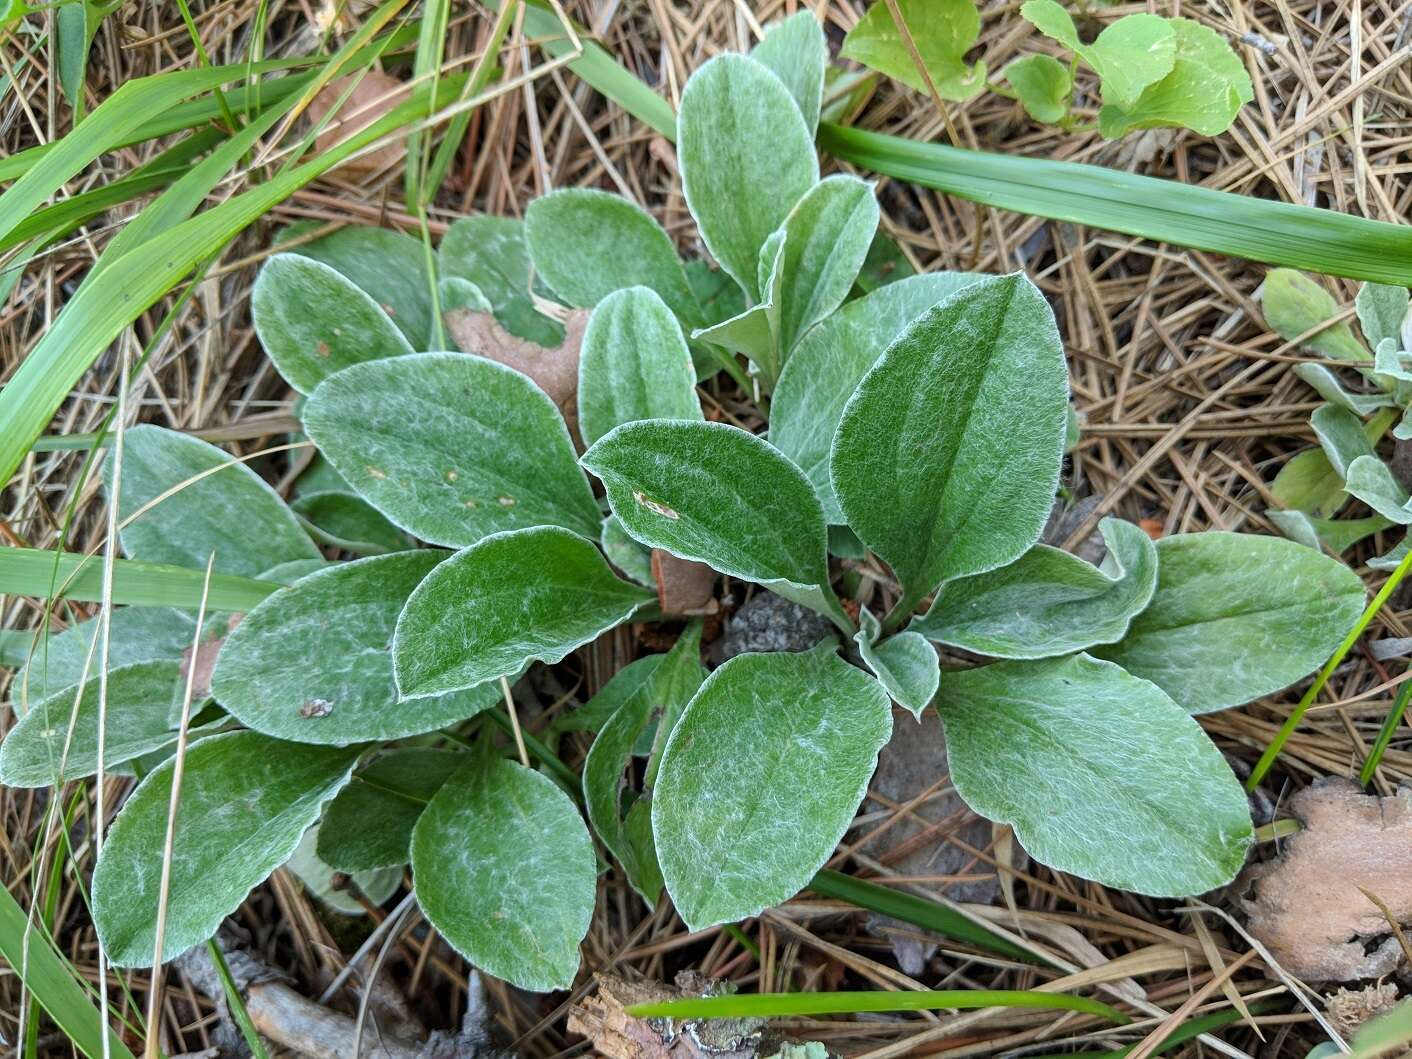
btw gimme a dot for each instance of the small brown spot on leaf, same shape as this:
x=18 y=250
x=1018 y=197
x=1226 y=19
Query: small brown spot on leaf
x=452 y=475
x=505 y=501
x=375 y=472
x=654 y=506
x=322 y=349
x=315 y=708
x=388 y=309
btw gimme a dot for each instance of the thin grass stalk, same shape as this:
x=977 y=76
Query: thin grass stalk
x=776 y=1005
x=1385 y=733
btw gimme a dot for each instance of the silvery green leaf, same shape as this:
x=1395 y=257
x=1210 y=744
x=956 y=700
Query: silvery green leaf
x=905 y=664
x=586 y=244
x=1294 y=304
x=219 y=512
x=505 y=871
x=313 y=321
x=1393 y=559
x=348 y=522
x=390 y=267
x=625 y=553
x=490 y=253
x=829 y=362
x=492 y=609
x=1370 y=480
x=1341 y=436
x=619 y=814
x=369 y=823
x=288 y=573
x=1100 y=774
x=246 y=800
x=312 y=663
x=456 y=292
x=738 y=121
x=1325 y=383
x=1309 y=483
x=1338 y=535
x=1236 y=616
x=721 y=496
x=719 y=296
x=755 y=331
x=54 y=742
x=1383 y=312
x=974 y=392
x=321 y=879
x=633 y=365
x=621 y=686
x=451 y=447
x=806 y=730
x=1048 y=602
x=794 y=50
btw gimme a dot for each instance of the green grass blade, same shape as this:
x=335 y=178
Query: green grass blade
x=50 y=982
x=1164 y=211
x=41 y=572
x=773 y=1005
x=1385 y=733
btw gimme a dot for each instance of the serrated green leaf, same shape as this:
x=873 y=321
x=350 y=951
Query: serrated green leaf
x=942 y=31
x=737 y=120
x=390 y=267
x=490 y=252
x=1043 y=85
x=505 y=871
x=311 y=663
x=794 y=50
x=791 y=723
x=246 y=800
x=348 y=522
x=451 y=447
x=633 y=364
x=54 y=743
x=1100 y=774
x=312 y=321
x=721 y=496
x=619 y=814
x=322 y=880
x=974 y=392
x=1338 y=535
x=1341 y=436
x=231 y=512
x=625 y=553
x=830 y=361
x=369 y=823
x=905 y=664
x=1048 y=602
x=1370 y=480
x=1293 y=304
x=586 y=244
x=1236 y=616
x=495 y=607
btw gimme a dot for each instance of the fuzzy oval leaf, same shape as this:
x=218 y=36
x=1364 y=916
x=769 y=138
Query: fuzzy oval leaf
x=313 y=321
x=505 y=870
x=1100 y=774
x=451 y=447
x=588 y=243
x=39 y=751
x=973 y=396
x=738 y=121
x=348 y=522
x=490 y=253
x=1341 y=436
x=829 y=362
x=1338 y=535
x=942 y=31
x=1309 y=483
x=231 y=511
x=720 y=496
x=1294 y=304
x=390 y=267
x=792 y=724
x=369 y=823
x=794 y=50
x=634 y=364
x=1048 y=602
x=905 y=664
x=1042 y=84
x=1384 y=313
x=626 y=554
x=1236 y=616
x=514 y=598
x=312 y=662
x=1371 y=481
x=322 y=879
x=246 y=801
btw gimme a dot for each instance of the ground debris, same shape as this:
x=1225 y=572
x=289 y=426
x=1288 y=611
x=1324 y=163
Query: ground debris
x=370 y=95
x=617 y=1035
x=1310 y=906
x=1350 y=1008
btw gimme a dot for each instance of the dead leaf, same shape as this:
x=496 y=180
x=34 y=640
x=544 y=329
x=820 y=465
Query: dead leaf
x=374 y=94
x=615 y=1034
x=555 y=371
x=205 y=662
x=1309 y=908
x=1348 y=1009
x=684 y=588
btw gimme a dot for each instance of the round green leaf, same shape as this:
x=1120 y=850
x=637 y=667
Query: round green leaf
x=514 y=598
x=490 y=253
x=312 y=663
x=1236 y=616
x=390 y=267
x=246 y=801
x=451 y=447
x=1043 y=85
x=369 y=824
x=761 y=778
x=794 y=50
x=505 y=870
x=1100 y=774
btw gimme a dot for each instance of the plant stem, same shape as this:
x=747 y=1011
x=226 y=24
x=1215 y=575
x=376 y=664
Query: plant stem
x=1292 y=722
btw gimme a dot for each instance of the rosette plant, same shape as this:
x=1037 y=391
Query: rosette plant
x=921 y=426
